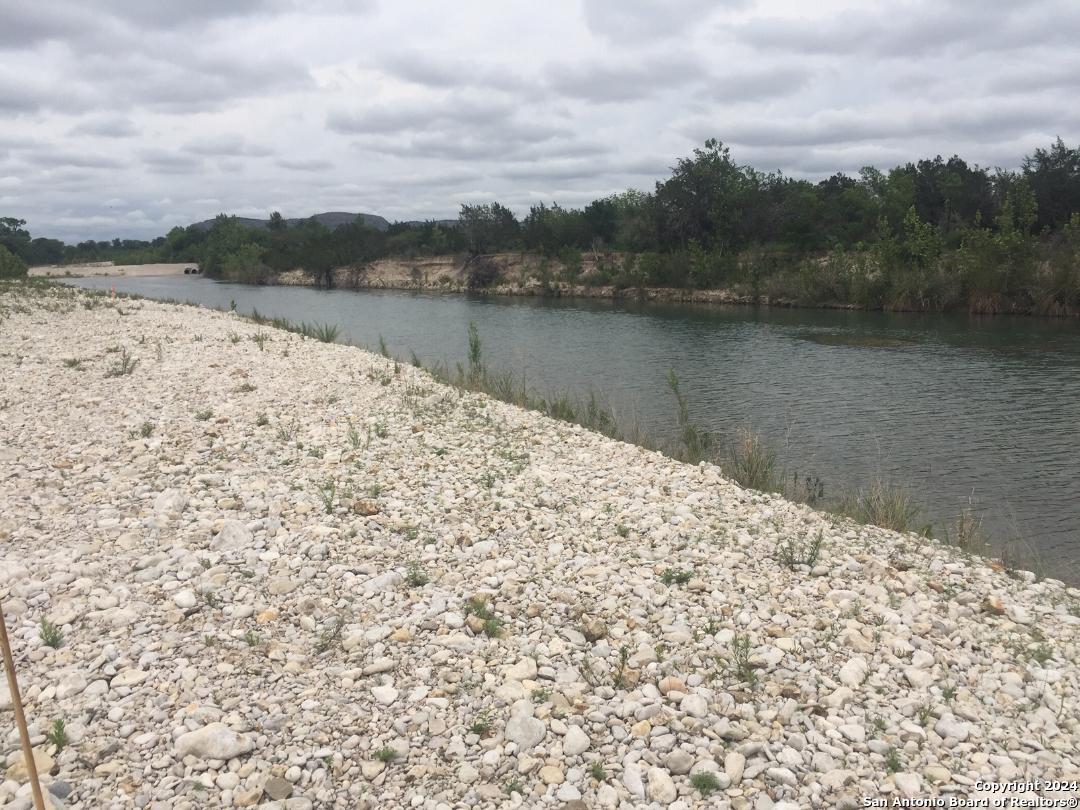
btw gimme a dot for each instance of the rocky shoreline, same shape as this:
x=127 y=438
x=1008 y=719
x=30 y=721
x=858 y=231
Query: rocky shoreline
x=449 y=277
x=288 y=574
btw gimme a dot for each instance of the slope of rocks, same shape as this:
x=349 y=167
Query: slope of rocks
x=293 y=575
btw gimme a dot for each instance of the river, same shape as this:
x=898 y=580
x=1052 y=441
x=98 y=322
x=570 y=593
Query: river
x=960 y=409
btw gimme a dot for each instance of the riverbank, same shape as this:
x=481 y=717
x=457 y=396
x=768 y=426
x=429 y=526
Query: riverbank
x=281 y=568
x=110 y=269
x=519 y=274
x=832 y=282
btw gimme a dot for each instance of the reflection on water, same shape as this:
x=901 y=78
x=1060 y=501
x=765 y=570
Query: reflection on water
x=960 y=408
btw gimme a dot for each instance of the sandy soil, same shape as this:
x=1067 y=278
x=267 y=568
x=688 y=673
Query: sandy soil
x=110 y=269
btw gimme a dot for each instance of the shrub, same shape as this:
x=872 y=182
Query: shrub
x=483 y=272
x=11 y=266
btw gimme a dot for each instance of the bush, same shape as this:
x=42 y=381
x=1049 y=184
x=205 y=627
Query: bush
x=245 y=265
x=483 y=272
x=11 y=266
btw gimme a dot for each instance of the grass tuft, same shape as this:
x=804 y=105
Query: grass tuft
x=50 y=634
x=889 y=506
x=705 y=782
x=752 y=463
x=123 y=366
x=57 y=734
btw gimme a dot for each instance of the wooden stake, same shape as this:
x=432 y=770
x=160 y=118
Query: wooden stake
x=20 y=718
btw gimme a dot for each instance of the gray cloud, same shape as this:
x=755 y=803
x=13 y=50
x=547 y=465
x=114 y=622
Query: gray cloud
x=107 y=126
x=127 y=117
x=164 y=161
x=304 y=165
x=226 y=146
x=648 y=19
x=28 y=22
x=451 y=72
x=627 y=79
x=972 y=121
x=59 y=158
x=1040 y=78
x=930 y=27
x=756 y=84
x=419 y=115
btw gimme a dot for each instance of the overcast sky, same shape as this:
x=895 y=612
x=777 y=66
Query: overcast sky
x=126 y=117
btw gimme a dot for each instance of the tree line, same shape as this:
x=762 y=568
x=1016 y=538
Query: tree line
x=932 y=234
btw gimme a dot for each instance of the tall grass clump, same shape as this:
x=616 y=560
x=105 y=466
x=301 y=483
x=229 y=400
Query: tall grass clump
x=966 y=532
x=889 y=506
x=476 y=358
x=322 y=332
x=695 y=444
x=752 y=463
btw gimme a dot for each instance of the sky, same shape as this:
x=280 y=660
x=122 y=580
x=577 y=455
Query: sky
x=128 y=117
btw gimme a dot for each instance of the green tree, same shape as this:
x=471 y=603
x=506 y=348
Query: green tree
x=704 y=199
x=245 y=264
x=225 y=238
x=1054 y=178
x=490 y=227
x=14 y=236
x=11 y=266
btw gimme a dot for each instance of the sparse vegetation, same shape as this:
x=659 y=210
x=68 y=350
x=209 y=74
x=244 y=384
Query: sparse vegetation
x=893 y=763
x=123 y=366
x=705 y=782
x=50 y=634
x=479 y=608
x=327 y=492
x=57 y=734
x=415 y=575
x=740 y=659
x=330 y=637
x=695 y=444
x=385 y=754
x=798 y=551
x=353 y=435
x=483 y=723
x=751 y=463
x=881 y=504
x=675 y=576
x=322 y=332
x=204 y=414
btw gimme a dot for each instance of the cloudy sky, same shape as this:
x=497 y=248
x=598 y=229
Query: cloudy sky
x=126 y=117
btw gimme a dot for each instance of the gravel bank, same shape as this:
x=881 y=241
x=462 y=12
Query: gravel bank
x=290 y=575
x=110 y=269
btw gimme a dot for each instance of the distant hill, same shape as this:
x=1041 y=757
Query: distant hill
x=331 y=219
